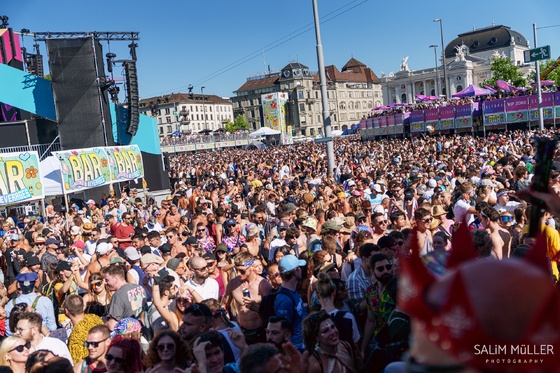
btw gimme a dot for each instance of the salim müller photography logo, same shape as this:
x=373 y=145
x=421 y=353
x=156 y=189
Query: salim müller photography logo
x=514 y=353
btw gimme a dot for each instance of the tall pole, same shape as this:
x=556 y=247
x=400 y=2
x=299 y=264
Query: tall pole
x=324 y=98
x=437 y=71
x=538 y=81
x=443 y=56
x=203 y=107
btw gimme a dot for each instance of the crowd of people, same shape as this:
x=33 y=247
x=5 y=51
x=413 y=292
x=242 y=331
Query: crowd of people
x=262 y=261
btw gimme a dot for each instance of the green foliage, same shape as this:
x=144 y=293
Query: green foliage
x=229 y=126
x=48 y=77
x=503 y=69
x=554 y=74
x=239 y=124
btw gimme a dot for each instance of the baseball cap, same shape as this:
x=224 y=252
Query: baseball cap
x=151 y=258
x=289 y=207
x=221 y=247
x=63 y=265
x=173 y=263
x=52 y=241
x=351 y=183
x=131 y=253
x=283 y=225
x=31 y=260
x=209 y=256
x=289 y=263
x=165 y=248
x=90 y=202
x=191 y=241
x=103 y=247
x=330 y=225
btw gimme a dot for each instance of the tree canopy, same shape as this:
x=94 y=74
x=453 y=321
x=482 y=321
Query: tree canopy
x=239 y=124
x=554 y=74
x=503 y=69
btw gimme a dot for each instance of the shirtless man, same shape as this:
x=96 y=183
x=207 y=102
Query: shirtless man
x=247 y=308
x=174 y=240
x=173 y=218
x=489 y=218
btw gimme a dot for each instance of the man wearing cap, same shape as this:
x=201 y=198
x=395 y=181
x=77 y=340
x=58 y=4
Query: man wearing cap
x=133 y=259
x=247 y=307
x=310 y=226
x=104 y=251
x=129 y=300
x=504 y=204
x=91 y=209
x=279 y=241
x=32 y=264
x=288 y=303
x=50 y=256
x=41 y=304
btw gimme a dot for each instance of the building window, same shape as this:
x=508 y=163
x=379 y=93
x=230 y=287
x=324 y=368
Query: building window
x=168 y=119
x=159 y=121
x=300 y=95
x=167 y=111
x=169 y=129
x=317 y=94
x=301 y=107
x=160 y=130
x=312 y=132
x=318 y=119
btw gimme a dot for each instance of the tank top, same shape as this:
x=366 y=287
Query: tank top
x=96 y=308
x=220 y=280
x=87 y=368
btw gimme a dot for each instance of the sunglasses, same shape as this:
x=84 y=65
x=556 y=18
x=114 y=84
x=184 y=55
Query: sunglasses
x=166 y=346
x=200 y=230
x=386 y=267
x=20 y=348
x=118 y=360
x=94 y=344
x=382 y=222
x=274 y=275
x=201 y=269
x=507 y=219
x=181 y=300
x=429 y=220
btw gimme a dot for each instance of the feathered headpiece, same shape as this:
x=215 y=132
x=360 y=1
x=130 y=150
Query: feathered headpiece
x=460 y=312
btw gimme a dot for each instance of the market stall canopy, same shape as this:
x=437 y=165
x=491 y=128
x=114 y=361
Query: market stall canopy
x=264 y=131
x=473 y=90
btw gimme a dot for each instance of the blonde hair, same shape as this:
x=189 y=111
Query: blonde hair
x=8 y=344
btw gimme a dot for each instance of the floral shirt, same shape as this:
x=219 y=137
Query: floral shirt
x=380 y=308
x=233 y=241
x=207 y=244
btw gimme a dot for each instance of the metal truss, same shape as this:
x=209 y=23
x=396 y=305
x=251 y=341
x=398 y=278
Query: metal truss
x=100 y=35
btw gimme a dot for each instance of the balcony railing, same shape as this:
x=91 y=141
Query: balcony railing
x=44 y=150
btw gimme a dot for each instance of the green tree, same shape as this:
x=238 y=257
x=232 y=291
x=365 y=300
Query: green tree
x=239 y=124
x=229 y=126
x=555 y=73
x=503 y=69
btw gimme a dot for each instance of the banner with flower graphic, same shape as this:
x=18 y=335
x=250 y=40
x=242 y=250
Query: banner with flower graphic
x=20 y=180
x=83 y=169
x=125 y=162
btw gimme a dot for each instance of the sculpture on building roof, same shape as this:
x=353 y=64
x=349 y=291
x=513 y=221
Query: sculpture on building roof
x=462 y=51
x=404 y=64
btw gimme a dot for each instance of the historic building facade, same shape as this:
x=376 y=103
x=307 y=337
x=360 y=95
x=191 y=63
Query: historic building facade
x=468 y=61
x=187 y=113
x=352 y=92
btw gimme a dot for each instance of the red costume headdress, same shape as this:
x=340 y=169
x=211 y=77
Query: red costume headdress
x=454 y=323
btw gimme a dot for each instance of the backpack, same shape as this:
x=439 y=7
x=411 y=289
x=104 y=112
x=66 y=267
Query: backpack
x=344 y=326
x=48 y=291
x=266 y=308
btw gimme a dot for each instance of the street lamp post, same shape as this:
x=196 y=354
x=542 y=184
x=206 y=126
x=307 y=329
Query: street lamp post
x=442 y=56
x=203 y=107
x=437 y=71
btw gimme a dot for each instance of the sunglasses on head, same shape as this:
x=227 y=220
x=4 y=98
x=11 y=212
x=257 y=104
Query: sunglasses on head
x=118 y=360
x=20 y=348
x=166 y=346
x=94 y=344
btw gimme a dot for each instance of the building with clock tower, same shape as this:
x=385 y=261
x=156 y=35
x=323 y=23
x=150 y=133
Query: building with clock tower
x=352 y=92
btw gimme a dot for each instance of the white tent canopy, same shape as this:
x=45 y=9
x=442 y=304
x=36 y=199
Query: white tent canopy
x=264 y=131
x=51 y=177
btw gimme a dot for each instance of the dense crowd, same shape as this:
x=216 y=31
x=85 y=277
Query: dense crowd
x=262 y=261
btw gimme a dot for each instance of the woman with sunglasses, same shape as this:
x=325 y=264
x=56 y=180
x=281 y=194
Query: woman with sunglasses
x=97 y=299
x=13 y=353
x=327 y=353
x=166 y=353
x=124 y=356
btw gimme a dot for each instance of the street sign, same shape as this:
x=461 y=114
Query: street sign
x=174 y=113
x=537 y=54
x=323 y=139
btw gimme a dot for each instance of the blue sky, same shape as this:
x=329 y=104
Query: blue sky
x=218 y=44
